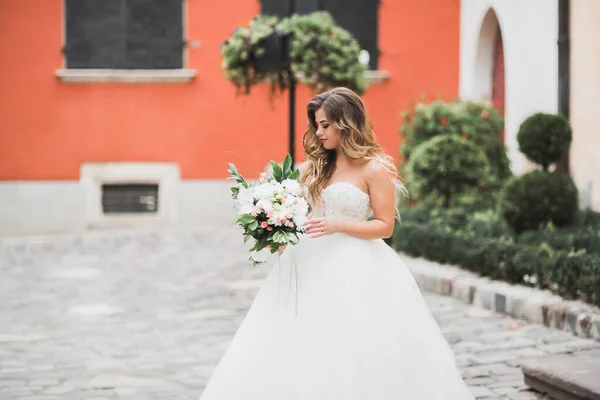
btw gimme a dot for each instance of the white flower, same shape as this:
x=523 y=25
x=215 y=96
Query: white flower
x=264 y=191
x=278 y=189
x=263 y=177
x=299 y=220
x=247 y=209
x=279 y=217
x=289 y=201
x=264 y=204
x=300 y=211
x=245 y=196
x=302 y=205
x=292 y=186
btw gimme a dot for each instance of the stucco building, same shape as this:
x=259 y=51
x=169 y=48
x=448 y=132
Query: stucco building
x=98 y=94
x=538 y=55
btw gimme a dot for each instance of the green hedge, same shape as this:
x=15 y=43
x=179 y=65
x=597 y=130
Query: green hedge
x=565 y=261
x=537 y=197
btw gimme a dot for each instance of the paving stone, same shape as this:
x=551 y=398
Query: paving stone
x=491 y=357
x=44 y=382
x=564 y=375
x=59 y=390
x=140 y=315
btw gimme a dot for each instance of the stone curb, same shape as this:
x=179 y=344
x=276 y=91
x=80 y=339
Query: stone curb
x=530 y=304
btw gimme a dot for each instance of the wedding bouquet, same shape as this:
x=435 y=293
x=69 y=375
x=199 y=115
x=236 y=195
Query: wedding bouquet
x=272 y=210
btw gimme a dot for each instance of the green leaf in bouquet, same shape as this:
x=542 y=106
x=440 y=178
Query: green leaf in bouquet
x=295 y=175
x=280 y=237
x=233 y=171
x=287 y=166
x=253 y=226
x=293 y=238
x=235 y=191
x=260 y=244
x=245 y=219
x=277 y=171
x=253 y=248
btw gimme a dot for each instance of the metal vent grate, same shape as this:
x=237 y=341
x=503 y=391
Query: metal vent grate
x=129 y=198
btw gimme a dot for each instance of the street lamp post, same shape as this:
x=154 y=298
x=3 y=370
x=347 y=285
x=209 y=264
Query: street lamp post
x=292 y=83
x=292 y=90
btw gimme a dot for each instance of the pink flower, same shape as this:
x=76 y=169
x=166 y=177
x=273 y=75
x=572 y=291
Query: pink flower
x=289 y=216
x=291 y=225
x=253 y=214
x=264 y=224
x=269 y=229
x=269 y=213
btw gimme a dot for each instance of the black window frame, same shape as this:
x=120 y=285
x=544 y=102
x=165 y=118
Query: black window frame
x=124 y=34
x=361 y=20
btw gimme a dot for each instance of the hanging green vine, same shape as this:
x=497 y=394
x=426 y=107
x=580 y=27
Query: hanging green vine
x=323 y=54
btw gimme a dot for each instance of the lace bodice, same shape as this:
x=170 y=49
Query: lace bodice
x=344 y=201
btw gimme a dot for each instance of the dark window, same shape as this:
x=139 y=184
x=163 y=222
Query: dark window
x=129 y=198
x=359 y=17
x=124 y=34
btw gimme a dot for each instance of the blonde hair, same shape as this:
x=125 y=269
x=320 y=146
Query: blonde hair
x=345 y=109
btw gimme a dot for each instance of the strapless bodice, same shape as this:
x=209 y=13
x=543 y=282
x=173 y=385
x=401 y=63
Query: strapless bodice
x=344 y=201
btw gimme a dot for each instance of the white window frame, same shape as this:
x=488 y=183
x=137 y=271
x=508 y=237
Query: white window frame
x=94 y=175
x=183 y=75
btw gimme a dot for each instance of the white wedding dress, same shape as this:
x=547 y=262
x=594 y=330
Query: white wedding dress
x=338 y=318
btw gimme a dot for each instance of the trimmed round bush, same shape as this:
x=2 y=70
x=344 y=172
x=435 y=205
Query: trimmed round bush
x=495 y=152
x=474 y=121
x=544 y=138
x=539 y=197
x=447 y=166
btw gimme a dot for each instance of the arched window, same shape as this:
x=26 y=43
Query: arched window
x=489 y=69
x=498 y=84
x=359 y=17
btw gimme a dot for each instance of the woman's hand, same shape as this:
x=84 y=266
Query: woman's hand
x=318 y=227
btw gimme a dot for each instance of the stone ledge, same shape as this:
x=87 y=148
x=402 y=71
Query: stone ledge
x=564 y=377
x=534 y=305
x=378 y=76
x=371 y=76
x=125 y=75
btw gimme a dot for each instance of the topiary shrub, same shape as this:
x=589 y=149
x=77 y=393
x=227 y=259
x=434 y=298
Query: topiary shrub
x=544 y=138
x=447 y=166
x=538 y=197
x=425 y=121
x=474 y=121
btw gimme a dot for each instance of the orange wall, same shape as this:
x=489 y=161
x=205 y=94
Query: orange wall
x=48 y=129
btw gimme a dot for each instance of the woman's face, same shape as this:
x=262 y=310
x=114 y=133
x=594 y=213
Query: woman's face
x=327 y=132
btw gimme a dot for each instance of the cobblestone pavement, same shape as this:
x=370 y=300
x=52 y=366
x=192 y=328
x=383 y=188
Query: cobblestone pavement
x=142 y=315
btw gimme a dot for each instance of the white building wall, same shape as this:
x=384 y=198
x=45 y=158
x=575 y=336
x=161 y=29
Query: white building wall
x=585 y=99
x=55 y=207
x=530 y=33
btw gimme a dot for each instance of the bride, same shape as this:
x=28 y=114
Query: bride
x=340 y=317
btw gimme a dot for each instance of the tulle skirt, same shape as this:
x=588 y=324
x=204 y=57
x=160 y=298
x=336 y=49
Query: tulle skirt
x=338 y=318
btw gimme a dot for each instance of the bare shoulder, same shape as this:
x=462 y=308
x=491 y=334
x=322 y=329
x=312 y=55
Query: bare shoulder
x=375 y=172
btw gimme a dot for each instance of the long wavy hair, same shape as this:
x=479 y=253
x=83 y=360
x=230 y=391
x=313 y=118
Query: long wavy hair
x=346 y=111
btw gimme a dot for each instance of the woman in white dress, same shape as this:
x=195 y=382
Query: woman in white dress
x=340 y=316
